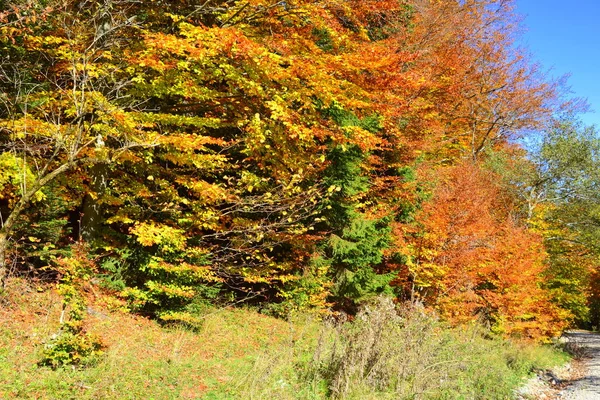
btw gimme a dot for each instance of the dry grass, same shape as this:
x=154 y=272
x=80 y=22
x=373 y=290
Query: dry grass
x=389 y=354
x=239 y=354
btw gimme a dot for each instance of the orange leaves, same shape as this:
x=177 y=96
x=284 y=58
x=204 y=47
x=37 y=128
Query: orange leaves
x=241 y=106
x=207 y=193
x=190 y=143
x=472 y=261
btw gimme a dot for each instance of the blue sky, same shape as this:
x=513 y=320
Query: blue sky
x=564 y=36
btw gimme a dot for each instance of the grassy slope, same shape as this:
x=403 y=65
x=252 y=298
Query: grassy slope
x=142 y=359
x=242 y=354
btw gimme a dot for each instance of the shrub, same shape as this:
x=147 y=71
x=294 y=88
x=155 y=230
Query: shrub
x=71 y=348
x=72 y=345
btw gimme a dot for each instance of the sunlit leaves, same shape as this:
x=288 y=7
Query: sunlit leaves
x=475 y=262
x=293 y=152
x=15 y=177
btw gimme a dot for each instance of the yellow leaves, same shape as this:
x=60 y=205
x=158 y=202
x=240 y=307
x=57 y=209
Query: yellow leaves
x=541 y=223
x=168 y=239
x=429 y=274
x=207 y=162
x=256 y=130
x=250 y=181
x=278 y=108
x=176 y=18
x=207 y=219
x=184 y=120
x=13 y=171
x=46 y=40
x=119 y=219
x=184 y=269
x=170 y=290
x=140 y=79
x=29 y=126
x=179 y=317
x=196 y=45
x=193 y=32
x=47 y=117
x=9 y=170
x=208 y=193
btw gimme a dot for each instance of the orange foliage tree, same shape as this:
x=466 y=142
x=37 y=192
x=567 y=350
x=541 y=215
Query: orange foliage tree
x=469 y=259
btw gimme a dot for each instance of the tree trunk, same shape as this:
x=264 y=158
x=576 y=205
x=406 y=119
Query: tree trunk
x=5 y=231
x=91 y=218
x=3 y=265
x=6 y=228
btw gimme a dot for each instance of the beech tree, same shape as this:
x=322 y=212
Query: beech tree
x=62 y=101
x=471 y=260
x=564 y=199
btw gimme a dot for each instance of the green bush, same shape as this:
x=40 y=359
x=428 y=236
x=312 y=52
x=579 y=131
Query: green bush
x=71 y=348
x=72 y=345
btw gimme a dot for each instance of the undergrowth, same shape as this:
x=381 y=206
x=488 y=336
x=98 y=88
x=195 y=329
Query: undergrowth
x=387 y=353
x=383 y=353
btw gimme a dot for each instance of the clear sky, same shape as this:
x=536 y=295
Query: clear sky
x=564 y=36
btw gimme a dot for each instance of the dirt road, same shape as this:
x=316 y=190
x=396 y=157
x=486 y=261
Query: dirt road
x=587 y=387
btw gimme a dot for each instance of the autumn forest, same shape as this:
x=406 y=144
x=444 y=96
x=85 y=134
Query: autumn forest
x=295 y=156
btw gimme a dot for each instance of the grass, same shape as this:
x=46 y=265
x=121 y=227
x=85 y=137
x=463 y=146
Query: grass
x=239 y=354
x=142 y=360
x=384 y=354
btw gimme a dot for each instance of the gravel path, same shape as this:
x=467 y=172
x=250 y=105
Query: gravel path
x=587 y=387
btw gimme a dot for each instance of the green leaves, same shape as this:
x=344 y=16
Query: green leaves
x=566 y=200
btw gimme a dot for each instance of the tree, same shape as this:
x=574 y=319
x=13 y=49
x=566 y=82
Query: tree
x=475 y=88
x=565 y=202
x=62 y=100
x=471 y=261
x=289 y=153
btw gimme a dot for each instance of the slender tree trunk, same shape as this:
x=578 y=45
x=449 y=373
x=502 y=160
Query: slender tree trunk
x=3 y=265
x=6 y=229
x=91 y=219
